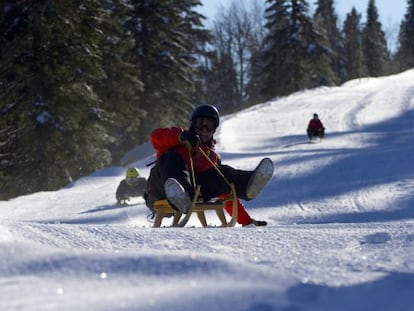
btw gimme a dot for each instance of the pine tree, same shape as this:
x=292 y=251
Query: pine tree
x=52 y=58
x=374 y=44
x=326 y=20
x=199 y=38
x=405 y=53
x=223 y=92
x=295 y=55
x=276 y=49
x=300 y=25
x=163 y=33
x=320 y=56
x=354 y=62
x=120 y=91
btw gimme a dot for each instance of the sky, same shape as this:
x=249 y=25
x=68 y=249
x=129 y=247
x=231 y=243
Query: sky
x=391 y=12
x=340 y=215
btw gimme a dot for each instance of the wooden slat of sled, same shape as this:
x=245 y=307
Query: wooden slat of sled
x=164 y=209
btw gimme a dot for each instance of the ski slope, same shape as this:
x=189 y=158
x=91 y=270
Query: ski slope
x=340 y=214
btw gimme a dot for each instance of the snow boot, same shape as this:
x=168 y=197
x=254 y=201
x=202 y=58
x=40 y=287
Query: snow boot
x=176 y=195
x=255 y=223
x=261 y=176
x=259 y=223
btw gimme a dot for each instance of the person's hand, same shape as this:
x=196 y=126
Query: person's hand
x=190 y=139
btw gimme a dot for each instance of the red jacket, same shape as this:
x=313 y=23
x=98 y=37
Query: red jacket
x=315 y=125
x=163 y=139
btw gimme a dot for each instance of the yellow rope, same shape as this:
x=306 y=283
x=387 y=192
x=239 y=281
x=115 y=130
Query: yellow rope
x=192 y=170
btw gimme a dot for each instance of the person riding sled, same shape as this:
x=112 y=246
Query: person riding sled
x=132 y=186
x=315 y=128
x=178 y=153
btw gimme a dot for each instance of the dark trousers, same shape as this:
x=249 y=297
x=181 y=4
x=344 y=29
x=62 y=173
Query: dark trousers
x=171 y=165
x=311 y=133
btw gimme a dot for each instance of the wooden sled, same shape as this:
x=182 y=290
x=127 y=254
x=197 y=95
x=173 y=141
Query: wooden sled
x=164 y=209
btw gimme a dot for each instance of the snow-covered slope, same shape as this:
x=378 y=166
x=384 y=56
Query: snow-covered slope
x=340 y=214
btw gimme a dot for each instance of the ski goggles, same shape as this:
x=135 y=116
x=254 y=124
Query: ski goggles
x=204 y=123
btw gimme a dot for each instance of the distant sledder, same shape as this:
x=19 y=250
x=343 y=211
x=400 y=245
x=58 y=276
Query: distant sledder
x=132 y=186
x=315 y=128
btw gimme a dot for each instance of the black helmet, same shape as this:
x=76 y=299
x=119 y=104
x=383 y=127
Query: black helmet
x=206 y=111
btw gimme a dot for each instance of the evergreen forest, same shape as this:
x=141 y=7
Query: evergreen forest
x=84 y=81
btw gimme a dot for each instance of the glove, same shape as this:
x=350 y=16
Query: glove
x=190 y=139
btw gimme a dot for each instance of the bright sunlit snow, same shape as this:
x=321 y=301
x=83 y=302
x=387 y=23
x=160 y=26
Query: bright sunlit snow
x=340 y=214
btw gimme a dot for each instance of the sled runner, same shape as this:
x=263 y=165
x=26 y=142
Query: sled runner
x=315 y=140
x=163 y=207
